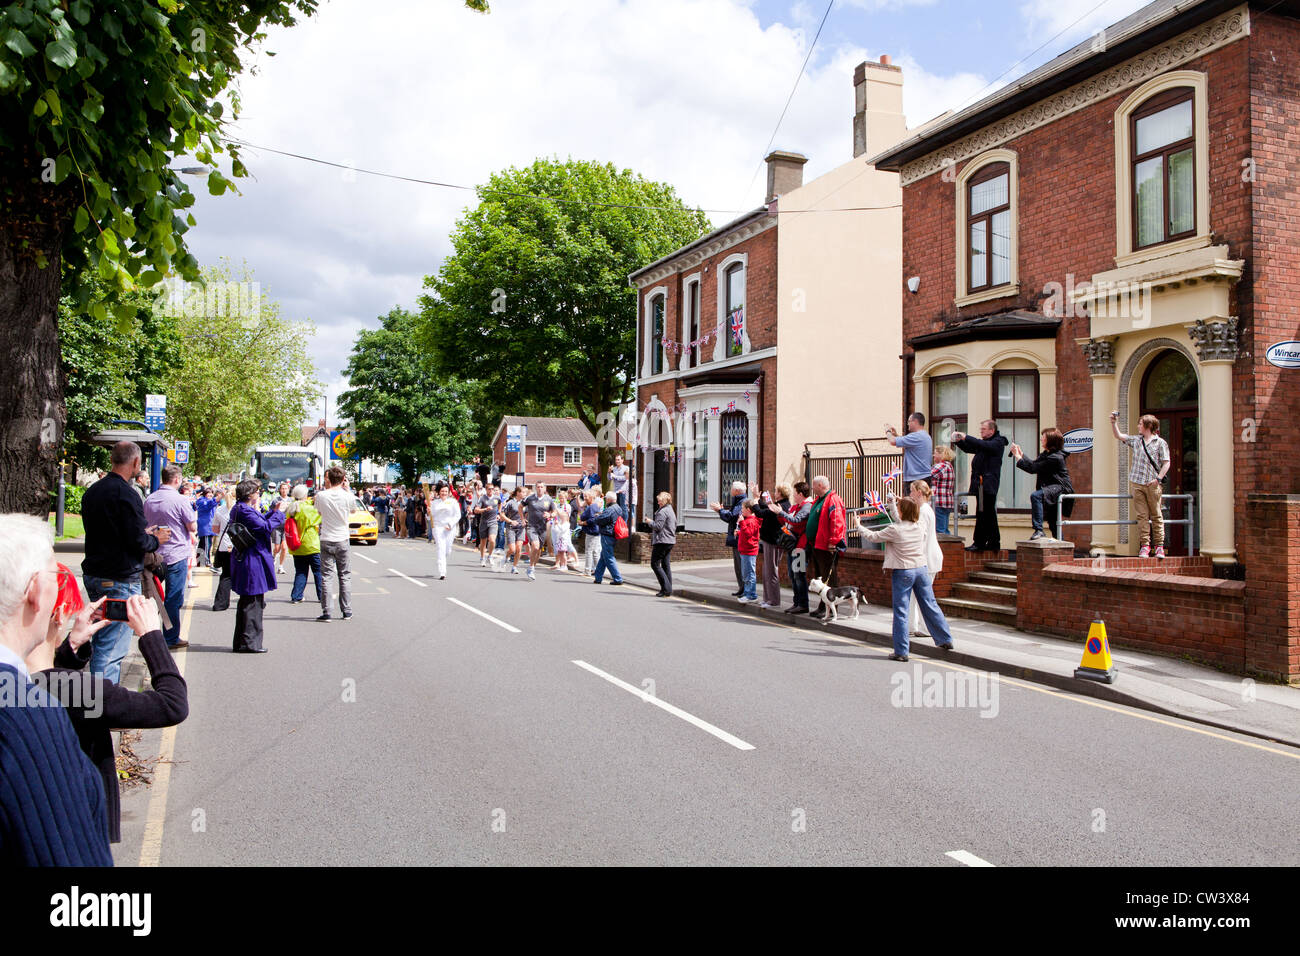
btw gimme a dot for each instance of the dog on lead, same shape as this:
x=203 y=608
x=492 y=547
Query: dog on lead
x=834 y=597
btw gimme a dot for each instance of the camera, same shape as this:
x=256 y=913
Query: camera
x=113 y=609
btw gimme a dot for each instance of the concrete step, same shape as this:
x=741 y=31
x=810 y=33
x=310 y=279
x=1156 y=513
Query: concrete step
x=1001 y=578
x=979 y=611
x=1004 y=566
x=988 y=593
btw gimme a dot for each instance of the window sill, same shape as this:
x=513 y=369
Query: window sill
x=1163 y=249
x=1003 y=291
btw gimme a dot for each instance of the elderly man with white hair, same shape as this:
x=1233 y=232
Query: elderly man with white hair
x=730 y=515
x=825 y=531
x=605 y=523
x=52 y=807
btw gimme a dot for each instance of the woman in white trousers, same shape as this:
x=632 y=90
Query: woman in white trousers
x=444 y=517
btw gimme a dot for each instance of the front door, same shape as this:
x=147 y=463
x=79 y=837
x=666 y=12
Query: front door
x=661 y=478
x=1170 y=393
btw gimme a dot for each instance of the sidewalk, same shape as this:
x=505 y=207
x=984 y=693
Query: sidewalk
x=1161 y=684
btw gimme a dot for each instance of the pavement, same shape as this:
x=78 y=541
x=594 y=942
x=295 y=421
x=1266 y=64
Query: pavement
x=1152 y=682
x=492 y=719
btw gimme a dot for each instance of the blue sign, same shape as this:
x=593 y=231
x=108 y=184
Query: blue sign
x=514 y=438
x=182 y=452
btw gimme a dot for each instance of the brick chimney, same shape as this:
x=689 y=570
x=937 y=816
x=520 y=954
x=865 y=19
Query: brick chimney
x=878 y=121
x=784 y=172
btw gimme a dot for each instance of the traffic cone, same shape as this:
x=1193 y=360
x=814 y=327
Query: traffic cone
x=1096 y=664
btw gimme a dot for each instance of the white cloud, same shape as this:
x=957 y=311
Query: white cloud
x=1078 y=18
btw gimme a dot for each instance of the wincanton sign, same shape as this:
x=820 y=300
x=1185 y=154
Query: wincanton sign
x=1078 y=440
x=1284 y=354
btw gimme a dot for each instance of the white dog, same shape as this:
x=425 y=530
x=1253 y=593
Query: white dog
x=833 y=597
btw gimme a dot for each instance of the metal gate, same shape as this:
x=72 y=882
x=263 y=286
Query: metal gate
x=853 y=467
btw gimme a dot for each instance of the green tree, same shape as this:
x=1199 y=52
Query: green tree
x=534 y=300
x=246 y=377
x=96 y=102
x=403 y=412
x=109 y=367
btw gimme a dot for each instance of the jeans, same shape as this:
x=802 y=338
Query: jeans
x=747 y=562
x=302 y=563
x=501 y=537
x=661 y=565
x=607 y=560
x=941 y=516
x=591 y=551
x=174 y=581
x=907 y=582
x=798 y=582
x=335 y=554
x=110 y=644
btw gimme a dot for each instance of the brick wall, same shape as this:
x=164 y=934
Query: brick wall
x=690 y=546
x=1271 y=551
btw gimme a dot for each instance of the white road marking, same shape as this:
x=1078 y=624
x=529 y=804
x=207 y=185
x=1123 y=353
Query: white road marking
x=675 y=711
x=363 y=557
x=412 y=580
x=488 y=617
x=968 y=859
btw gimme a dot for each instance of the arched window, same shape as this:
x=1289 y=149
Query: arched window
x=1163 y=165
x=988 y=226
x=657 y=335
x=693 y=322
x=734 y=314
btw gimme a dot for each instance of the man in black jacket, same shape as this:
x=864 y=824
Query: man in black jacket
x=116 y=543
x=985 y=474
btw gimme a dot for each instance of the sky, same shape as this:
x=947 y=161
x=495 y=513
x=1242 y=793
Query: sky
x=686 y=92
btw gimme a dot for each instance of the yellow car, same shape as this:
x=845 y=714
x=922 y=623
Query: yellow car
x=362 y=525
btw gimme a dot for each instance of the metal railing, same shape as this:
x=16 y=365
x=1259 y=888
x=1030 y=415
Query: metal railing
x=1189 y=521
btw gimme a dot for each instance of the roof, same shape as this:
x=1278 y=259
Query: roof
x=1004 y=325
x=1153 y=24
x=548 y=431
x=707 y=237
x=309 y=432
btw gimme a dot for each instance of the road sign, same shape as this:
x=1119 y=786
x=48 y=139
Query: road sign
x=848 y=469
x=340 y=447
x=155 y=412
x=182 y=452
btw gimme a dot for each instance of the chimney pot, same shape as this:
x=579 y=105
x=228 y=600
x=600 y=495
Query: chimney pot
x=884 y=59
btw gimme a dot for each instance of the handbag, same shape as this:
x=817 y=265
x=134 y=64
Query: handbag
x=787 y=542
x=241 y=536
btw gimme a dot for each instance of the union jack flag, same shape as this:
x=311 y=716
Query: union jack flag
x=873 y=502
x=737 y=324
x=889 y=478
x=731 y=406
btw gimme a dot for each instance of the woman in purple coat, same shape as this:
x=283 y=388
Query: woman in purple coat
x=252 y=571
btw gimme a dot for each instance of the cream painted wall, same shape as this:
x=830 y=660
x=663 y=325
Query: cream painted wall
x=839 y=310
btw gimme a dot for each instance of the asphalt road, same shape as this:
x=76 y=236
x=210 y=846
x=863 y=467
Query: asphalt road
x=421 y=732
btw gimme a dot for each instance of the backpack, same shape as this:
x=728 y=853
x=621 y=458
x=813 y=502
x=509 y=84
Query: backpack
x=291 y=535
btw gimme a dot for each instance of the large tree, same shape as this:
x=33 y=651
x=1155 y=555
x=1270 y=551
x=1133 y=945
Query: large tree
x=247 y=379
x=534 y=301
x=403 y=412
x=109 y=367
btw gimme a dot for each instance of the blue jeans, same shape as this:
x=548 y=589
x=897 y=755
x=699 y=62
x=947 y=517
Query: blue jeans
x=1036 y=509
x=941 y=516
x=174 y=581
x=302 y=563
x=110 y=644
x=747 y=573
x=501 y=537
x=607 y=560
x=905 y=582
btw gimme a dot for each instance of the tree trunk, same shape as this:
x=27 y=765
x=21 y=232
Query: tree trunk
x=32 y=414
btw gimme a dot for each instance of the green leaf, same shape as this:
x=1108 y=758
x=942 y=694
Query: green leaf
x=8 y=76
x=17 y=41
x=216 y=183
x=55 y=106
x=62 y=166
x=40 y=107
x=62 y=53
x=80 y=10
x=99 y=311
x=92 y=110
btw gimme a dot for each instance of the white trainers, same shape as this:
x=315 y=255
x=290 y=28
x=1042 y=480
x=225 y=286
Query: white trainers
x=746 y=600
x=531 y=575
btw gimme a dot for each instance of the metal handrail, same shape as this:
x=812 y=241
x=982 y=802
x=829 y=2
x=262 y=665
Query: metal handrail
x=1190 y=520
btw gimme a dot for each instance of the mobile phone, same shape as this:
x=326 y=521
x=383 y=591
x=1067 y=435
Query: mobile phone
x=113 y=609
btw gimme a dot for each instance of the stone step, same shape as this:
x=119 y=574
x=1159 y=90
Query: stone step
x=992 y=577
x=979 y=611
x=988 y=593
x=1004 y=566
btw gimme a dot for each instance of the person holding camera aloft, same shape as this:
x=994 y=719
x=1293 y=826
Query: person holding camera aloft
x=252 y=568
x=1149 y=463
x=985 y=476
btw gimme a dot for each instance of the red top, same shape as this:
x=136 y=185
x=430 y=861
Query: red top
x=747 y=535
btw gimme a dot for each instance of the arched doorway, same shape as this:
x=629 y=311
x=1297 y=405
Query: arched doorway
x=1171 y=392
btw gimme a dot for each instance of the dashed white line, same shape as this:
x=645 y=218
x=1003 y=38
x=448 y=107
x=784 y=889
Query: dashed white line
x=411 y=579
x=968 y=859
x=363 y=557
x=675 y=711
x=488 y=617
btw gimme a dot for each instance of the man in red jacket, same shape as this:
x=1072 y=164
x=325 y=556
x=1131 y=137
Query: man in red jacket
x=825 y=533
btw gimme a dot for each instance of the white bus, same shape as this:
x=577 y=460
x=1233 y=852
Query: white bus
x=296 y=464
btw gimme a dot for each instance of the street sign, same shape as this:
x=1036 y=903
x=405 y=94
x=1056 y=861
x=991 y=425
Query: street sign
x=848 y=469
x=182 y=452
x=171 y=455
x=514 y=438
x=155 y=412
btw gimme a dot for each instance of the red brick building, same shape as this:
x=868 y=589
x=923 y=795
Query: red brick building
x=554 y=450
x=1118 y=231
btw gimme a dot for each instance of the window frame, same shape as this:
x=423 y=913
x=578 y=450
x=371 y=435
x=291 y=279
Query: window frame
x=577 y=455
x=961 y=469
x=724 y=459
x=539 y=454
x=734 y=348
x=973 y=168
x=986 y=173
x=1158 y=103
x=693 y=299
x=999 y=416
x=658 y=329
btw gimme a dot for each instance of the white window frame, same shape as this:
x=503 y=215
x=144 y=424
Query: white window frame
x=1197 y=81
x=1011 y=287
x=539 y=455
x=723 y=326
x=692 y=280
x=574 y=452
x=647 y=329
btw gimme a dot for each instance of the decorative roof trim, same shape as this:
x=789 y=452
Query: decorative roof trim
x=693 y=257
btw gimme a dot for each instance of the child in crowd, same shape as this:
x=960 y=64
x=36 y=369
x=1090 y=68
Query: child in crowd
x=747 y=547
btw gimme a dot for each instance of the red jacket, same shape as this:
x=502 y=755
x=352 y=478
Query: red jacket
x=747 y=535
x=830 y=522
